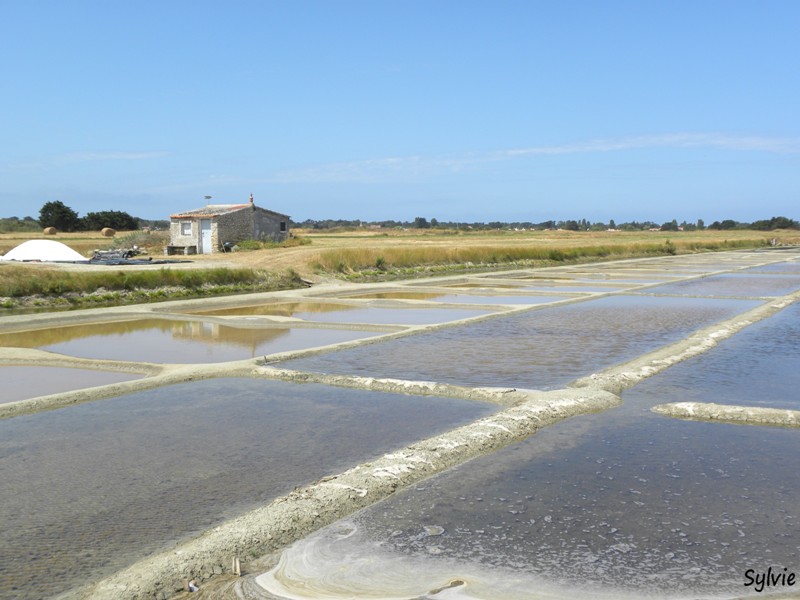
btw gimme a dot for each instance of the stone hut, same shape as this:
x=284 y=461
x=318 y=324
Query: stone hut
x=215 y=227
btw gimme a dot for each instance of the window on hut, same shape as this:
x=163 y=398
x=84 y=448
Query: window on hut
x=186 y=228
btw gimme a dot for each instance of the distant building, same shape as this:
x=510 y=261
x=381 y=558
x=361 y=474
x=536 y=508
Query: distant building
x=208 y=229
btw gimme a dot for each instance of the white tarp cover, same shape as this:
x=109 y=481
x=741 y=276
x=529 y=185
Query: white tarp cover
x=44 y=250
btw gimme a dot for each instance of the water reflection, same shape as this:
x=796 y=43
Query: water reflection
x=162 y=340
x=281 y=309
x=460 y=298
x=342 y=313
x=400 y=295
x=542 y=349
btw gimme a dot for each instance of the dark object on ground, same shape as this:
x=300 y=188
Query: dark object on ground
x=124 y=256
x=131 y=261
x=119 y=254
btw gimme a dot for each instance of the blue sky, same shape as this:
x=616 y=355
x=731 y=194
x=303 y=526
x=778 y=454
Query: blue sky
x=387 y=109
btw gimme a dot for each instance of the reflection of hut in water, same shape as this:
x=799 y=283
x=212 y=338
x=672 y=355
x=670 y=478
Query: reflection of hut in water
x=214 y=333
x=196 y=331
x=282 y=309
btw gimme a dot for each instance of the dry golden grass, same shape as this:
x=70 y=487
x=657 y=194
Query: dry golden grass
x=83 y=242
x=351 y=251
x=362 y=249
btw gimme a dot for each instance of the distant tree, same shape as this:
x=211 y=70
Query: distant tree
x=670 y=226
x=434 y=222
x=115 y=219
x=701 y=224
x=775 y=223
x=421 y=223
x=571 y=225
x=57 y=214
x=783 y=223
x=612 y=224
x=10 y=224
x=162 y=224
x=631 y=226
x=726 y=224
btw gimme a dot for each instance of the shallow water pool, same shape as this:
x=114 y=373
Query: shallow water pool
x=541 y=349
x=20 y=383
x=462 y=298
x=785 y=268
x=733 y=285
x=756 y=367
x=621 y=504
x=175 y=341
x=343 y=313
x=91 y=488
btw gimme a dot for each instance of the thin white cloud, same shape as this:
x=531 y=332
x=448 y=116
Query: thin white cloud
x=671 y=140
x=73 y=158
x=409 y=167
x=81 y=157
x=380 y=170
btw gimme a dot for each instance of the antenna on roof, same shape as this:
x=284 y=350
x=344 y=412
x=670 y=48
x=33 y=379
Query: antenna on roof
x=207 y=199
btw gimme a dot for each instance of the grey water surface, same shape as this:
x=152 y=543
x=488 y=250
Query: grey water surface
x=540 y=349
x=89 y=489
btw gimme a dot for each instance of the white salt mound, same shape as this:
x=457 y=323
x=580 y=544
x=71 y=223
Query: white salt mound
x=44 y=250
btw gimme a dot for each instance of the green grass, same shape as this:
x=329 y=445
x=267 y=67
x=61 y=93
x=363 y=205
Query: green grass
x=52 y=286
x=153 y=241
x=291 y=242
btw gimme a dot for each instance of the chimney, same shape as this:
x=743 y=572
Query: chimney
x=251 y=198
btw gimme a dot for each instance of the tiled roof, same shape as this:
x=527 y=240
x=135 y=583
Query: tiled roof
x=211 y=210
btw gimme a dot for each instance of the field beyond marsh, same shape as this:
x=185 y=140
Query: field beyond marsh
x=360 y=255
x=385 y=253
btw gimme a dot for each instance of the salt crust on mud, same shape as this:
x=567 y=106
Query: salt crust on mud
x=709 y=411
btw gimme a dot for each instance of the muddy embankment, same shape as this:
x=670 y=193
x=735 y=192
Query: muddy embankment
x=746 y=415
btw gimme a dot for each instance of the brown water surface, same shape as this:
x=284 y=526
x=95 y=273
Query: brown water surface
x=343 y=313
x=461 y=298
x=175 y=341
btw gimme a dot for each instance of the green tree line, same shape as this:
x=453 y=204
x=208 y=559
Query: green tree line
x=569 y=224
x=62 y=217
